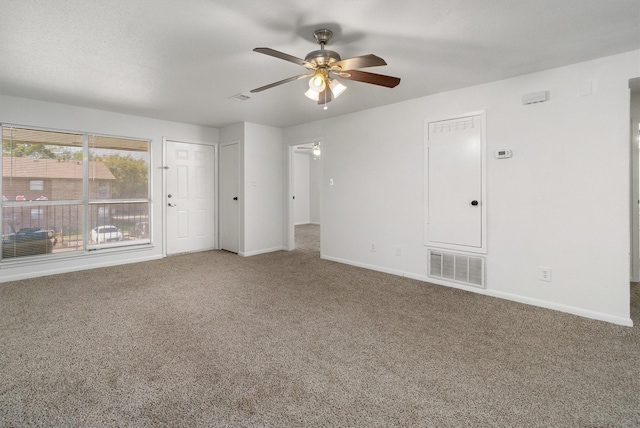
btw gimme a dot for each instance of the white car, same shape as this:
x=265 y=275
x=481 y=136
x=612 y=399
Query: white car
x=105 y=233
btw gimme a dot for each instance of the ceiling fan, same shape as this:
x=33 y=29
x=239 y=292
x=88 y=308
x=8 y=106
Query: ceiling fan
x=324 y=66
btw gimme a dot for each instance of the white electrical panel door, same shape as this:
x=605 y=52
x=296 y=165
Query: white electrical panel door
x=454 y=188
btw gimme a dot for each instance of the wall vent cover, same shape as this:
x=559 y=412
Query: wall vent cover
x=468 y=270
x=535 y=97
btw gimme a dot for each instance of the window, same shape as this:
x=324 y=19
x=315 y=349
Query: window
x=36 y=185
x=60 y=188
x=37 y=213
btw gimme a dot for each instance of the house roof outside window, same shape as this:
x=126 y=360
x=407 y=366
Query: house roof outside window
x=53 y=168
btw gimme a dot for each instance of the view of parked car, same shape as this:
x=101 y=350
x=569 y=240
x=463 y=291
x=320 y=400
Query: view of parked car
x=28 y=241
x=107 y=233
x=140 y=230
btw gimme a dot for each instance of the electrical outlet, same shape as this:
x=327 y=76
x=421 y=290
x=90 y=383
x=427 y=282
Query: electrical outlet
x=372 y=247
x=399 y=251
x=545 y=273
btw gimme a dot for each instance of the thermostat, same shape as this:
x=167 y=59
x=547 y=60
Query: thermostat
x=503 y=154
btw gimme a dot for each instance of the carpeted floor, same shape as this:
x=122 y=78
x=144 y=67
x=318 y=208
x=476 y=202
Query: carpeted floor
x=287 y=339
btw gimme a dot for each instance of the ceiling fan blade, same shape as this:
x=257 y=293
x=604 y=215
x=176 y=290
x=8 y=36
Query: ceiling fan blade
x=280 y=82
x=375 y=79
x=359 y=62
x=325 y=96
x=284 y=56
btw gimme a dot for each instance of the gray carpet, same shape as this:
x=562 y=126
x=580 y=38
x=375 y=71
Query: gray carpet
x=287 y=339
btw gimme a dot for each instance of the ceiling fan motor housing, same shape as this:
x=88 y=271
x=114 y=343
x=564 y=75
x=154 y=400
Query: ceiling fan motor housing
x=322 y=57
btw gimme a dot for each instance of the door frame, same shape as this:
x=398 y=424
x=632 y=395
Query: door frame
x=290 y=223
x=165 y=200
x=634 y=265
x=483 y=180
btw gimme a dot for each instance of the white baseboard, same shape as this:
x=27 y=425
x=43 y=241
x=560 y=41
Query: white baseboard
x=76 y=267
x=256 y=252
x=493 y=293
x=562 y=308
x=528 y=301
x=363 y=265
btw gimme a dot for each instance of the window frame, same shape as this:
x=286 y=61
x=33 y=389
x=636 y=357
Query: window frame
x=85 y=203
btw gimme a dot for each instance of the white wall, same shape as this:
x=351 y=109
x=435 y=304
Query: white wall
x=562 y=201
x=20 y=111
x=301 y=184
x=263 y=189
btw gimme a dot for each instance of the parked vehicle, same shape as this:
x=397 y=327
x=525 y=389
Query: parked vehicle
x=27 y=241
x=106 y=233
x=140 y=230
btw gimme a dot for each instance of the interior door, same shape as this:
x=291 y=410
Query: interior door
x=190 y=197
x=229 y=225
x=454 y=183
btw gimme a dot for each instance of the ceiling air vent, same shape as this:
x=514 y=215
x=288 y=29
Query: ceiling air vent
x=240 y=97
x=468 y=270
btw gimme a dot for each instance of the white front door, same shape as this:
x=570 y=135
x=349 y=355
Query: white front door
x=190 y=197
x=229 y=198
x=454 y=183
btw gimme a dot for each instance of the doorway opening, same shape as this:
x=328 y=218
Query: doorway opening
x=305 y=183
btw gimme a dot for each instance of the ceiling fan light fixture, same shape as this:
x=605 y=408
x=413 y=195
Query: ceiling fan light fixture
x=312 y=94
x=317 y=83
x=337 y=88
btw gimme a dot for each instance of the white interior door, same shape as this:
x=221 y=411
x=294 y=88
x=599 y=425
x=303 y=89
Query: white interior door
x=454 y=183
x=190 y=197
x=229 y=225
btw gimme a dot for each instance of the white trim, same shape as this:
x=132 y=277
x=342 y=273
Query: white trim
x=562 y=308
x=164 y=196
x=528 y=300
x=493 y=293
x=264 y=251
x=76 y=268
x=634 y=262
x=363 y=265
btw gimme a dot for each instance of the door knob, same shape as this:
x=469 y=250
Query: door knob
x=235 y=198
x=172 y=205
x=474 y=203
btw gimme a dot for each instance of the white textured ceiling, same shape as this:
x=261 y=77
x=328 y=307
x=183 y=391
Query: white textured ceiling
x=183 y=60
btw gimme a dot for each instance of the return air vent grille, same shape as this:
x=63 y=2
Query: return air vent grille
x=467 y=270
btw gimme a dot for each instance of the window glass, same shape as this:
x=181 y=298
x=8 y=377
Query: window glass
x=37 y=230
x=44 y=203
x=41 y=164
x=119 y=168
x=36 y=185
x=124 y=222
